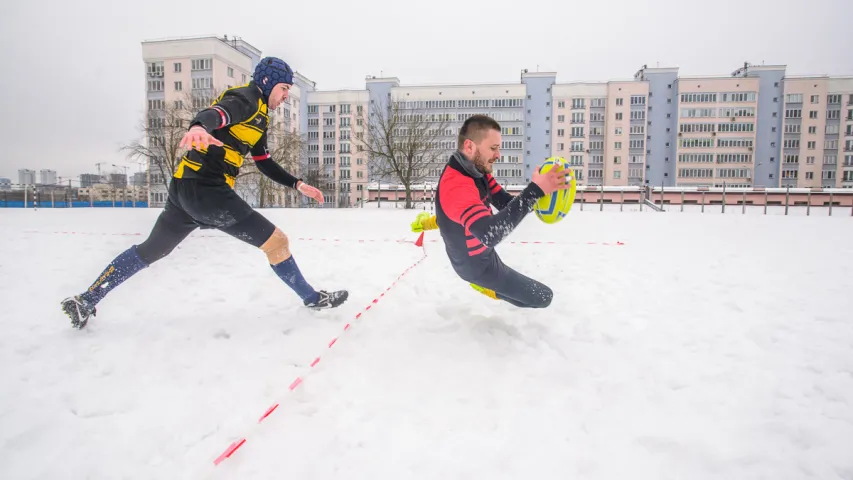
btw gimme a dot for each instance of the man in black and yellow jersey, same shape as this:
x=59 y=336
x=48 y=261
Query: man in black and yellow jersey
x=201 y=193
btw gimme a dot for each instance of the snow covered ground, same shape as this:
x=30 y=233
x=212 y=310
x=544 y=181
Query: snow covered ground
x=706 y=346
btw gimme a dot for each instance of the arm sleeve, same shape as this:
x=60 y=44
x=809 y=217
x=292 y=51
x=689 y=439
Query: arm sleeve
x=461 y=202
x=230 y=109
x=266 y=165
x=500 y=196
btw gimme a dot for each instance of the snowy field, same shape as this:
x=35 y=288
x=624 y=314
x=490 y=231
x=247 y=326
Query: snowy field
x=706 y=346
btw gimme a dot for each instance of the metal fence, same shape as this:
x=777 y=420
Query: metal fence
x=54 y=196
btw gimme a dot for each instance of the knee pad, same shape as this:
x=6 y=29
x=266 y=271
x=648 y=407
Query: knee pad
x=277 y=247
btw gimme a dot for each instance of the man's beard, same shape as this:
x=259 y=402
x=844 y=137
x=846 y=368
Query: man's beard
x=482 y=165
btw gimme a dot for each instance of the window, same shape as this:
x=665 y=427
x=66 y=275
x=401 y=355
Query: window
x=203 y=83
x=698 y=112
x=734 y=158
x=734 y=97
x=177 y=67
x=638 y=100
x=736 y=127
x=231 y=72
x=697 y=142
x=794 y=98
x=179 y=86
x=201 y=64
x=577 y=132
x=578 y=117
x=698 y=97
x=696 y=158
x=697 y=127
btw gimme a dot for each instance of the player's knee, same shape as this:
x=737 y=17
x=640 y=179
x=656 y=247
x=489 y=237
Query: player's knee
x=149 y=252
x=277 y=247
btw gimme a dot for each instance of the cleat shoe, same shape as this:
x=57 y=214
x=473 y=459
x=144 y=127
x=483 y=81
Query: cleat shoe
x=328 y=299
x=78 y=310
x=485 y=291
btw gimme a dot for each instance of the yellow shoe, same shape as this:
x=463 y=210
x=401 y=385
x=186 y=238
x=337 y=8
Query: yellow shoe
x=485 y=291
x=424 y=222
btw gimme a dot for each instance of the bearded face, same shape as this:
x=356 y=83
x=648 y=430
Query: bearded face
x=487 y=151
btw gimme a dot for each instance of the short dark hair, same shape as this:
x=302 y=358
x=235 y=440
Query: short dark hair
x=475 y=128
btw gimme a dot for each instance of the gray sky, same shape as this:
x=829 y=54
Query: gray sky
x=74 y=84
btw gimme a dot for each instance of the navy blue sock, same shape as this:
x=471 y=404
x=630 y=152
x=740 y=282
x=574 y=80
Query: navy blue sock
x=120 y=269
x=289 y=272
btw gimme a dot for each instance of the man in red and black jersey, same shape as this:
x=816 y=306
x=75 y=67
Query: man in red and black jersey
x=464 y=199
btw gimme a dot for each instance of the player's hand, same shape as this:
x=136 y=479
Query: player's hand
x=552 y=180
x=196 y=137
x=310 y=191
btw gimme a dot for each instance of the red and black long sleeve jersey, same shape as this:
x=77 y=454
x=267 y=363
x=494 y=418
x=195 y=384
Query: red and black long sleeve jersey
x=464 y=200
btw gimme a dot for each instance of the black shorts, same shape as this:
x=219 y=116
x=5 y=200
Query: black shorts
x=195 y=203
x=209 y=204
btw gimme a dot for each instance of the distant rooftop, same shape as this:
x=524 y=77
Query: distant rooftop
x=230 y=41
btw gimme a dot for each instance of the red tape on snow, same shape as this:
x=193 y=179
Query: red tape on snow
x=300 y=379
x=345 y=240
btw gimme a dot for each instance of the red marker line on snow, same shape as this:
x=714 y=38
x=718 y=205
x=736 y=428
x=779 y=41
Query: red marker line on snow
x=339 y=240
x=300 y=379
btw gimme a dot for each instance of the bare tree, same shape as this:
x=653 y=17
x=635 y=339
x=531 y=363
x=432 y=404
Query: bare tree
x=402 y=144
x=286 y=148
x=163 y=127
x=322 y=179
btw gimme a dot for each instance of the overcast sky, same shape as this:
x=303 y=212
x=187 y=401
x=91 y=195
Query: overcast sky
x=74 y=86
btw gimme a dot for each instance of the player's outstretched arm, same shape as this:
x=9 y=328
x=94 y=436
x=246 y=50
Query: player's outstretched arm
x=277 y=173
x=229 y=109
x=462 y=203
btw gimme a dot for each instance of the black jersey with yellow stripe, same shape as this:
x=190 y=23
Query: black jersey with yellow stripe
x=239 y=118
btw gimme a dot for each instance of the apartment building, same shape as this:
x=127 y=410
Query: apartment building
x=335 y=159
x=817 y=147
x=658 y=128
x=753 y=127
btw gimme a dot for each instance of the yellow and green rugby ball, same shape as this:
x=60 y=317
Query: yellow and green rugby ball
x=552 y=208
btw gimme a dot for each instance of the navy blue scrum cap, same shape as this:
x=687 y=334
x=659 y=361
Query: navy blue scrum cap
x=271 y=71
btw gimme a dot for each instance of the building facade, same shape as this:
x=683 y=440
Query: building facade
x=753 y=127
x=744 y=129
